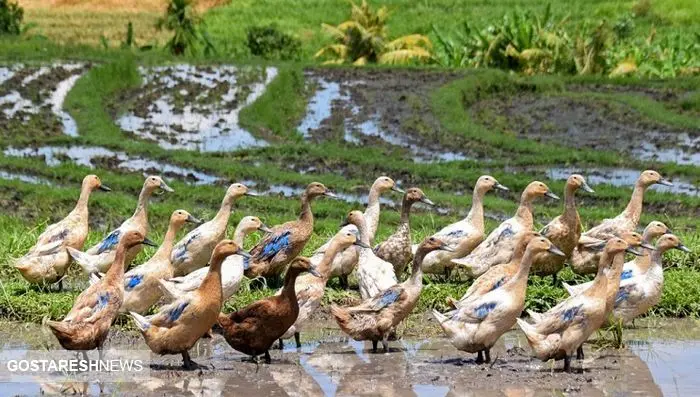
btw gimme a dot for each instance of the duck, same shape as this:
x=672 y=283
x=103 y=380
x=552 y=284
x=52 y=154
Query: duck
x=100 y=257
x=584 y=260
x=87 y=324
x=476 y=325
x=345 y=262
x=566 y=326
x=47 y=261
x=641 y=291
x=499 y=245
x=141 y=289
x=278 y=248
x=176 y=327
x=231 y=270
x=253 y=329
x=310 y=289
x=375 y=318
x=462 y=236
x=564 y=231
x=194 y=250
x=373 y=273
x=637 y=266
x=498 y=275
x=396 y=249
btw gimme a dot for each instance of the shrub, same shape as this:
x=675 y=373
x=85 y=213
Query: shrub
x=624 y=27
x=270 y=43
x=11 y=15
x=187 y=27
x=641 y=8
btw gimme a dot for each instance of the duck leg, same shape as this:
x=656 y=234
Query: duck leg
x=187 y=362
x=374 y=346
x=555 y=279
x=579 y=353
x=343 y=281
x=480 y=357
x=385 y=344
x=280 y=345
x=268 y=359
x=297 y=339
x=567 y=363
x=85 y=356
x=487 y=353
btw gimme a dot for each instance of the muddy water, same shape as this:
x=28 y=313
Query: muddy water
x=26 y=178
x=661 y=360
x=196 y=108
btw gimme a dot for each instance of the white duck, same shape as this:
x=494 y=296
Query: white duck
x=462 y=236
x=194 y=250
x=500 y=244
x=99 y=257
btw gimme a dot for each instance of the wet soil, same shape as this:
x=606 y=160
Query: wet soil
x=328 y=364
x=591 y=124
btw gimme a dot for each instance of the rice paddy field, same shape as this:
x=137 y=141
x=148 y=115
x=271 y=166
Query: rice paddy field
x=73 y=101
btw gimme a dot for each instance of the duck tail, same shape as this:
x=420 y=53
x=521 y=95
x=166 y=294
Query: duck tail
x=141 y=322
x=544 y=346
x=60 y=329
x=342 y=316
x=169 y=290
x=571 y=290
x=536 y=317
x=441 y=318
x=82 y=259
x=454 y=303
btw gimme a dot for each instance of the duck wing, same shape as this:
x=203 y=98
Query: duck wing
x=382 y=300
x=90 y=307
x=273 y=244
x=562 y=316
x=168 y=315
x=259 y=308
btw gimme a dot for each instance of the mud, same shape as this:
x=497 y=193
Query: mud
x=671 y=98
x=31 y=99
x=194 y=108
x=590 y=124
x=383 y=108
x=659 y=361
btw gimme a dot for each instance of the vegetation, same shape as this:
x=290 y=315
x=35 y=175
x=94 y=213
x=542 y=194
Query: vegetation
x=188 y=31
x=11 y=15
x=269 y=42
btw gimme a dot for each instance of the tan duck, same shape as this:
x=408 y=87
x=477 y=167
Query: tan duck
x=345 y=262
x=563 y=231
x=310 y=289
x=462 y=236
x=583 y=260
x=498 y=275
x=141 y=289
x=231 y=271
x=566 y=326
x=373 y=273
x=179 y=325
x=374 y=318
x=99 y=257
x=253 y=329
x=277 y=249
x=194 y=250
x=87 y=324
x=48 y=260
x=638 y=265
x=476 y=325
x=500 y=244
x=396 y=249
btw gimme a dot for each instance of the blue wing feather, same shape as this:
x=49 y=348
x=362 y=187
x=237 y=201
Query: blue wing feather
x=275 y=245
x=109 y=242
x=499 y=283
x=246 y=263
x=455 y=233
x=176 y=312
x=132 y=281
x=483 y=310
x=626 y=274
x=570 y=313
x=386 y=298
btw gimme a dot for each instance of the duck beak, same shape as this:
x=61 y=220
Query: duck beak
x=243 y=253
x=263 y=228
x=361 y=244
x=445 y=247
x=397 y=189
x=148 y=242
x=633 y=251
x=314 y=272
x=556 y=251
x=330 y=194
x=683 y=248
x=647 y=246
x=668 y=231
x=500 y=187
x=105 y=188
x=551 y=195
x=587 y=188
x=426 y=200
x=664 y=182
x=252 y=193
x=194 y=220
x=166 y=188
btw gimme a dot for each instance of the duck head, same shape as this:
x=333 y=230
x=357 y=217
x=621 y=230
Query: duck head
x=670 y=241
x=227 y=248
x=486 y=183
x=250 y=224
x=301 y=264
x=432 y=244
x=538 y=189
x=155 y=183
x=523 y=239
x=384 y=184
x=655 y=229
x=133 y=238
x=347 y=237
x=316 y=189
x=650 y=177
x=634 y=239
x=415 y=195
x=237 y=190
x=615 y=246
x=577 y=181
x=180 y=217
x=356 y=218
x=540 y=243
x=93 y=182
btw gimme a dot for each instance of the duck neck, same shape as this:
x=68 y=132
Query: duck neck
x=416 y=269
x=324 y=267
x=475 y=217
x=211 y=285
x=289 y=289
x=373 y=209
x=600 y=282
x=570 y=212
x=306 y=215
x=166 y=248
x=81 y=207
x=656 y=257
x=633 y=210
x=224 y=212
x=520 y=277
x=141 y=212
x=239 y=236
x=115 y=274
x=524 y=212
x=405 y=210
x=364 y=233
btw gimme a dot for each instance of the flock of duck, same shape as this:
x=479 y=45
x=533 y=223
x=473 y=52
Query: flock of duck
x=187 y=281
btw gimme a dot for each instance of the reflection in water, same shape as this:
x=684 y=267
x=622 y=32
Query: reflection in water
x=673 y=365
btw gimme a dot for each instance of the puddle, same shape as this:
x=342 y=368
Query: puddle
x=625 y=177
x=661 y=360
x=29 y=94
x=343 y=101
x=94 y=156
x=196 y=108
x=34 y=180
